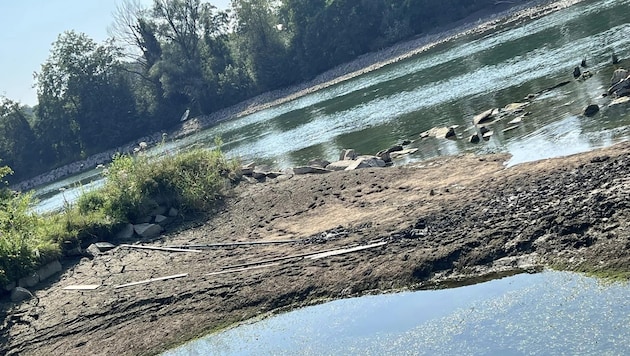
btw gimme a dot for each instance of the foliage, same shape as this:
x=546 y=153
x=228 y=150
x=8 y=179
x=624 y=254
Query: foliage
x=190 y=181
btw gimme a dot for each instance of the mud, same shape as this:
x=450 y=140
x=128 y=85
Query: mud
x=448 y=221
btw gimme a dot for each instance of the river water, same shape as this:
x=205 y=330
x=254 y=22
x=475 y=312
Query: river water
x=446 y=85
x=548 y=313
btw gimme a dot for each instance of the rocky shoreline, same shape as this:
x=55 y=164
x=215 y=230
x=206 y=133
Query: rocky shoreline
x=476 y=23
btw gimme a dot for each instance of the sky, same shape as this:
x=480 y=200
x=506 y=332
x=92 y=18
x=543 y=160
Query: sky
x=29 y=27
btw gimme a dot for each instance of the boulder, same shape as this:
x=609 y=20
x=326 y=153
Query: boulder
x=347 y=154
x=93 y=251
x=172 y=212
x=619 y=75
x=29 y=281
x=309 y=170
x=385 y=156
x=516 y=121
x=395 y=148
x=49 y=270
x=439 y=132
x=339 y=165
x=19 y=294
x=485 y=116
x=621 y=88
x=404 y=152
x=248 y=169
x=160 y=219
x=126 y=233
x=147 y=230
x=474 y=139
x=486 y=136
x=104 y=246
x=321 y=163
x=366 y=162
x=591 y=110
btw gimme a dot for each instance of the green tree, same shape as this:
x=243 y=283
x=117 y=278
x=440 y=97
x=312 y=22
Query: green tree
x=17 y=139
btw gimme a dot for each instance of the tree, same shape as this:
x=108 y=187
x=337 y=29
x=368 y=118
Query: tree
x=17 y=140
x=83 y=94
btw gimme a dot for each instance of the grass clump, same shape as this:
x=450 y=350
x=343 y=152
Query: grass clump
x=134 y=187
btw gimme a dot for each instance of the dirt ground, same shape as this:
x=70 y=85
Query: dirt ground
x=444 y=222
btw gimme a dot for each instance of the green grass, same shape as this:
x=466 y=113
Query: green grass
x=193 y=182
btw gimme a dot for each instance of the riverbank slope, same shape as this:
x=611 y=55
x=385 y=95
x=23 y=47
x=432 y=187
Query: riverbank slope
x=432 y=224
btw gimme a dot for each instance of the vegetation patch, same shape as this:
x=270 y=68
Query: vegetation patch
x=192 y=182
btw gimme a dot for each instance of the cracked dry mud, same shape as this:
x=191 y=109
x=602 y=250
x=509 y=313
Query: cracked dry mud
x=448 y=221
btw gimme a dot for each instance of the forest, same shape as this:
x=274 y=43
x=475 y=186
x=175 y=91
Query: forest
x=187 y=54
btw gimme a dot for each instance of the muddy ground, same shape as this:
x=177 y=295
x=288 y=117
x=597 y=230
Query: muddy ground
x=448 y=221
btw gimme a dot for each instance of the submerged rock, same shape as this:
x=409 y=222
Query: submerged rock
x=591 y=110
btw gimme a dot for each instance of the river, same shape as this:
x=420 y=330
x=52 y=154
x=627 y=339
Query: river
x=443 y=86
x=549 y=313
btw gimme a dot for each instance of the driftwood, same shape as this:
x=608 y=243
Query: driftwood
x=82 y=287
x=234 y=244
x=152 y=280
x=243 y=269
x=310 y=255
x=157 y=248
x=345 y=250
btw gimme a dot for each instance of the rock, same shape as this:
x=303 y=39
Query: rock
x=339 y=165
x=321 y=163
x=126 y=233
x=486 y=136
x=516 y=121
x=10 y=286
x=147 y=230
x=395 y=148
x=615 y=59
x=257 y=174
x=404 y=152
x=172 y=212
x=618 y=75
x=591 y=110
x=73 y=252
x=618 y=101
x=104 y=246
x=509 y=128
x=474 y=139
x=385 y=156
x=366 y=162
x=587 y=74
x=29 y=281
x=439 y=132
x=160 y=210
x=49 y=270
x=583 y=63
x=405 y=142
x=513 y=107
x=485 y=116
x=19 y=294
x=347 y=154
x=577 y=72
x=248 y=169
x=621 y=88
x=483 y=130
x=160 y=219
x=93 y=251
x=309 y=170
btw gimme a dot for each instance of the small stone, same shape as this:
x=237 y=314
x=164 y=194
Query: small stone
x=104 y=246
x=19 y=294
x=92 y=251
x=172 y=212
x=474 y=139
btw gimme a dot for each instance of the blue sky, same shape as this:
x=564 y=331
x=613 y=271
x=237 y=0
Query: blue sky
x=29 y=27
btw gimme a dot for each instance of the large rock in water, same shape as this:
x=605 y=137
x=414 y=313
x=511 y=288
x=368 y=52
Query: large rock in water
x=485 y=116
x=366 y=162
x=618 y=75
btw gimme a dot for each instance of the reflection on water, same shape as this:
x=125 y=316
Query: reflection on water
x=540 y=314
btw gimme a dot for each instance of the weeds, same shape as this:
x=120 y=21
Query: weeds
x=134 y=187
